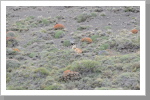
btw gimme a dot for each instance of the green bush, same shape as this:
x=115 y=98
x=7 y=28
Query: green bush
x=11 y=63
x=83 y=17
x=66 y=43
x=32 y=55
x=82 y=27
x=94 y=37
x=128 y=80
x=84 y=66
x=53 y=87
x=11 y=34
x=45 y=21
x=104 y=46
x=41 y=70
x=59 y=33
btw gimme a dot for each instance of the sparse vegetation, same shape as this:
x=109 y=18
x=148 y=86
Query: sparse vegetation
x=39 y=50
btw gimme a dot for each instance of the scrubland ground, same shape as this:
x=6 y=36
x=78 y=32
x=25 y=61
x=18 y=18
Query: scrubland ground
x=37 y=57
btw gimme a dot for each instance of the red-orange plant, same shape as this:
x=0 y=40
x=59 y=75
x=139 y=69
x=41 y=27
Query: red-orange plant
x=59 y=26
x=87 y=39
x=134 y=31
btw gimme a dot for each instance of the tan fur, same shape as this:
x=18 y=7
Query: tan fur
x=77 y=50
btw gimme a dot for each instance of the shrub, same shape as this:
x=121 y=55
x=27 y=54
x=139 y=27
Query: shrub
x=104 y=46
x=32 y=55
x=10 y=34
x=83 y=17
x=85 y=66
x=103 y=14
x=66 y=43
x=41 y=70
x=53 y=87
x=94 y=14
x=82 y=27
x=94 y=37
x=59 y=34
x=12 y=63
x=11 y=42
x=128 y=80
x=45 y=21
x=10 y=51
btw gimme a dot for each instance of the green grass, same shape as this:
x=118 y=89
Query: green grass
x=103 y=14
x=104 y=46
x=32 y=55
x=84 y=66
x=66 y=43
x=82 y=27
x=58 y=33
x=94 y=37
x=45 y=21
x=41 y=70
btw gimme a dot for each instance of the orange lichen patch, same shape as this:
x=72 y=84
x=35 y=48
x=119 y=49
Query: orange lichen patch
x=134 y=31
x=87 y=39
x=59 y=26
x=16 y=49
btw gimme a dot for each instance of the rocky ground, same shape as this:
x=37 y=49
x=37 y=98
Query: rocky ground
x=37 y=54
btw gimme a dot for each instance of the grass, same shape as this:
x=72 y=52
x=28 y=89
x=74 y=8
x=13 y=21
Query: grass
x=94 y=37
x=83 y=17
x=83 y=66
x=66 y=43
x=58 y=34
x=45 y=21
x=83 y=27
x=103 y=14
x=41 y=70
x=98 y=72
x=32 y=55
x=104 y=46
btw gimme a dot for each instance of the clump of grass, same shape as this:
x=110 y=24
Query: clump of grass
x=29 y=18
x=84 y=66
x=60 y=17
x=43 y=31
x=66 y=43
x=41 y=70
x=103 y=14
x=82 y=27
x=107 y=27
x=94 y=14
x=12 y=63
x=54 y=86
x=128 y=80
x=104 y=46
x=32 y=55
x=130 y=9
x=83 y=17
x=11 y=34
x=94 y=37
x=45 y=21
x=58 y=34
